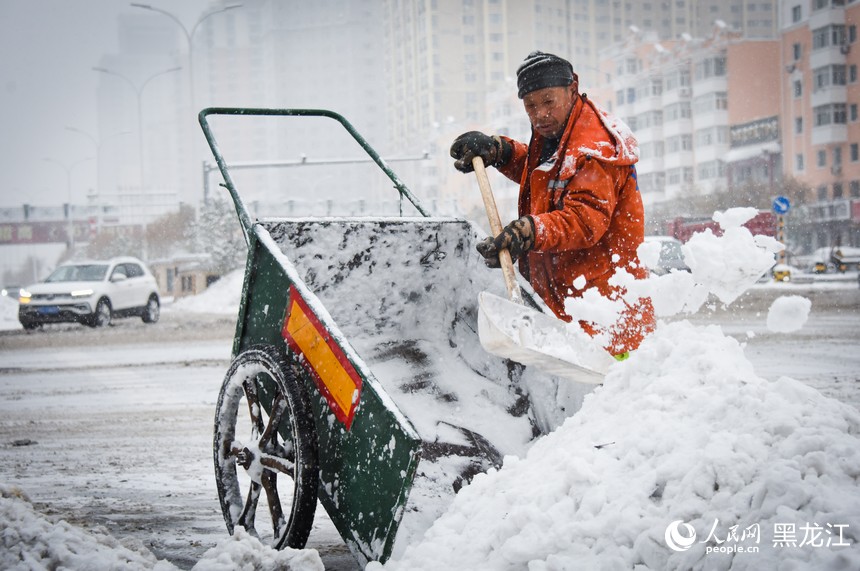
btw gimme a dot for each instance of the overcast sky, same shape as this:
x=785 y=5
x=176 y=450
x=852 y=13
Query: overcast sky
x=47 y=51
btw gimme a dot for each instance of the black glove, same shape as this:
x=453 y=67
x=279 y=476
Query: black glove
x=518 y=237
x=493 y=150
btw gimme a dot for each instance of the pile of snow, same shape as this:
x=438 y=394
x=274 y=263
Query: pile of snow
x=9 y=314
x=683 y=430
x=682 y=459
x=29 y=541
x=222 y=297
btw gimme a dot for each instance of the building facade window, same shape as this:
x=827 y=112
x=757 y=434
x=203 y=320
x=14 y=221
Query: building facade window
x=828 y=75
x=854 y=152
x=837 y=190
x=678 y=143
x=716 y=101
x=710 y=67
x=796 y=14
x=832 y=35
x=649 y=119
x=712 y=169
x=797 y=50
x=712 y=136
x=798 y=125
x=677 y=78
x=677 y=111
x=797 y=88
x=798 y=162
x=832 y=113
x=822 y=158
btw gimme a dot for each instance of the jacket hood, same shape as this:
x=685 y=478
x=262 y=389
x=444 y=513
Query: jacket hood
x=596 y=134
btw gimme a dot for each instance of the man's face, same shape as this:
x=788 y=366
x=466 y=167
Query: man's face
x=548 y=109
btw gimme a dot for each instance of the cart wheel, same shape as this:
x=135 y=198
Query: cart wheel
x=270 y=448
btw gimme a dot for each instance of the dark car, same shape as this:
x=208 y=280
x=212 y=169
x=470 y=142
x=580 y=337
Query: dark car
x=671 y=256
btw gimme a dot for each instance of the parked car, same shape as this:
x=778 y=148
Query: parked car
x=91 y=293
x=671 y=256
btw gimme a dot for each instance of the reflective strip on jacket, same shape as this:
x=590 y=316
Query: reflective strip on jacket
x=588 y=215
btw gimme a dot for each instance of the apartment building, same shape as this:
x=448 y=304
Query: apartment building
x=449 y=60
x=725 y=111
x=704 y=110
x=819 y=122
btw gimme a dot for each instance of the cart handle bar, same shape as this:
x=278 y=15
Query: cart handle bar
x=241 y=211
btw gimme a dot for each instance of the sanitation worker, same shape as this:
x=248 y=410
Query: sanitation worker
x=580 y=210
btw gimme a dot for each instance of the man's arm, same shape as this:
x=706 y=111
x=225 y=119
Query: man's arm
x=514 y=166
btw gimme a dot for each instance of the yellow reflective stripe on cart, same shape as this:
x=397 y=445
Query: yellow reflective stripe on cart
x=334 y=375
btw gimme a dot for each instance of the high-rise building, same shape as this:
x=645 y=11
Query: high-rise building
x=690 y=103
x=445 y=56
x=263 y=53
x=448 y=59
x=820 y=122
x=139 y=150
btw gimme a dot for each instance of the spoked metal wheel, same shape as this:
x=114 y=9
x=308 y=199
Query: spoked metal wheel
x=266 y=462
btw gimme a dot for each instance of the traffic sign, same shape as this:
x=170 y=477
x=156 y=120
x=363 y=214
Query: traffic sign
x=781 y=204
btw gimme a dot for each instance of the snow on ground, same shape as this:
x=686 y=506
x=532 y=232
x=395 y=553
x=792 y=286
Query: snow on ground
x=8 y=314
x=681 y=436
x=683 y=459
x=30 y=542
x=682 y=431
x=222 y=297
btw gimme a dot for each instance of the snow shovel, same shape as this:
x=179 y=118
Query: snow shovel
x=509 y=329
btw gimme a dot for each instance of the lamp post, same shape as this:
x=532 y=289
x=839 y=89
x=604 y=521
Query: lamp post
x=68 y=171
x=139 y=92
x=189 y=34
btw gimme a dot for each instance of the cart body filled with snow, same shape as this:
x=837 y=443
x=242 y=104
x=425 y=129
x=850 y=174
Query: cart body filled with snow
x=358 y=379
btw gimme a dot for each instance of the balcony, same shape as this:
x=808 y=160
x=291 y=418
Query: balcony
x=832 y=15
x=830 y=55
x=830 y=94
x=829 y=134
x=828 y=211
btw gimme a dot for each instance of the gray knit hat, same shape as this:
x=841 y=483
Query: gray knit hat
x=540 y=70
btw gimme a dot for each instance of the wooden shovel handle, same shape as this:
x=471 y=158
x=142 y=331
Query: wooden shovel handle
x=496 y=228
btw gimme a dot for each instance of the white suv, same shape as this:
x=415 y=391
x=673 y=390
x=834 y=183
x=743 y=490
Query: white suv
x=91 y=293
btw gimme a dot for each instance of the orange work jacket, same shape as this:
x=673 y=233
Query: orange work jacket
x=588 y=216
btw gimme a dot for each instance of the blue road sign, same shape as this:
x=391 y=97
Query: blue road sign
x=781 y=204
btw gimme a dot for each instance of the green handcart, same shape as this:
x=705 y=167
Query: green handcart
x=357 y=378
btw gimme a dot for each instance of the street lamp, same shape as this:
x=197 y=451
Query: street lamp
x=139 y=92
x=189 y=35
x=68 y=170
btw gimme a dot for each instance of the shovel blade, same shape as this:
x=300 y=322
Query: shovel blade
x=521 y=334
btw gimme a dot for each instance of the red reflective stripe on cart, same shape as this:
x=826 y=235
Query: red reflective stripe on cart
x=334 y=375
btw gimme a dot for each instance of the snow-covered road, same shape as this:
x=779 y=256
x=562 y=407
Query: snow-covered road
x=119 y=435
x=116 y=431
